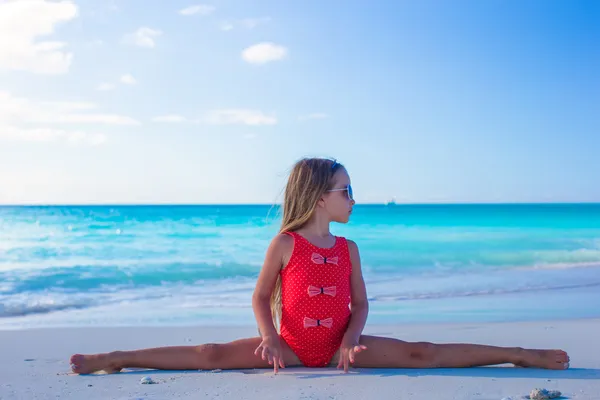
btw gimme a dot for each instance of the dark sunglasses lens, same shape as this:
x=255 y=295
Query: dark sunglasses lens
x=350 y=194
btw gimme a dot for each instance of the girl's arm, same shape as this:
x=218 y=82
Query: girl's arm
x=359 y=303
x=266 y=282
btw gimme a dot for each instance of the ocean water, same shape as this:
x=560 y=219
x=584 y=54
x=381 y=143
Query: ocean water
x=197 y=265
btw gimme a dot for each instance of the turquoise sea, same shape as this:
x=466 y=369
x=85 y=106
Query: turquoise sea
x=197 y=265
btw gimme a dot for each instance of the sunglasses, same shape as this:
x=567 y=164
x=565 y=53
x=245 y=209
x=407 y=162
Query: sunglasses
x=347 y=189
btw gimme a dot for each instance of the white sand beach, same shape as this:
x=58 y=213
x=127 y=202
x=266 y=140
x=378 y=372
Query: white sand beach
x=35 y=365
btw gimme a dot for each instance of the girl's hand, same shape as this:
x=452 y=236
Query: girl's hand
x=270 y=349
x=348 y=349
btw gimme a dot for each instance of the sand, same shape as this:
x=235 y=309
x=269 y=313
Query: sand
x=35 y=365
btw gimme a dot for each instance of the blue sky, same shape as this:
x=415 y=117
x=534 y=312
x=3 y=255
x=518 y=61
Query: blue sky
x=137 y=101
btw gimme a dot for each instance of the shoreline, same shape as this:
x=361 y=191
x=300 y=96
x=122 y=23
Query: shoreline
x=536 y=306
x=244 y=325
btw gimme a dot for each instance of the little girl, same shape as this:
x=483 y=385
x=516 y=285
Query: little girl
x=311 y=287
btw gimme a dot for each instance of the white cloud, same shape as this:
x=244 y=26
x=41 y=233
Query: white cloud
x=201 y=9
x=22 y=22
x=170 y=118
x=226 y=26
x=313 y=116
x=51 y=135
x=223 y=117
x=104 y=87
x=265 y=52
x=93 y=139
x=238 y=117
x=252 y=23
x=128 y=79
x=69 y=105
x=247 y=23
x=143 y=37
x=107 y=119
x=28 y=120
x=113 y=6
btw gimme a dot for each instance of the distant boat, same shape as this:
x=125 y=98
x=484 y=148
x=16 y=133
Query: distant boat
x=391 y=202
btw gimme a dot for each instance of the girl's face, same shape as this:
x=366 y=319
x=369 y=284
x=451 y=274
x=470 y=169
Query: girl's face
x=338 y=201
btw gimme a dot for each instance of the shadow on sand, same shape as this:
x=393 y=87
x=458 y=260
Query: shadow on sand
x=475 y=372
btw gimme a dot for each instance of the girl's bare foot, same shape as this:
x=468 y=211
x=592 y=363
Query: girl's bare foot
x=86 y=364
x=548 y=359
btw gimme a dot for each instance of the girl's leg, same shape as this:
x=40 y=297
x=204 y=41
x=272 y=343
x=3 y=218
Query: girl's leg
x=238 y=354
x=392 y=353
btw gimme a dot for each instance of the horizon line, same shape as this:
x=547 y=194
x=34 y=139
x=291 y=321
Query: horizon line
x=279 y=204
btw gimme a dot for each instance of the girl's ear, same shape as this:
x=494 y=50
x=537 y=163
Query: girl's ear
x=321 y=202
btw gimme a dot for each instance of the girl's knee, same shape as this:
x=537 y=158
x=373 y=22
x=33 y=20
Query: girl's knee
x=209 y=355
x=424 y=354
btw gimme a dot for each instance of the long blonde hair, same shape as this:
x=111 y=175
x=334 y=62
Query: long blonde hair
x=308 y=181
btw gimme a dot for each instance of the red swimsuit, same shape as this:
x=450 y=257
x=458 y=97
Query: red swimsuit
x=315 y=297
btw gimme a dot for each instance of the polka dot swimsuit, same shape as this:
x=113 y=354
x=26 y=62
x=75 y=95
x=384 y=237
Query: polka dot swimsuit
x=315 y=297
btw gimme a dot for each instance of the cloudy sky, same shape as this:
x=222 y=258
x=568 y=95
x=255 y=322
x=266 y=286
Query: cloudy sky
x=148 y=101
